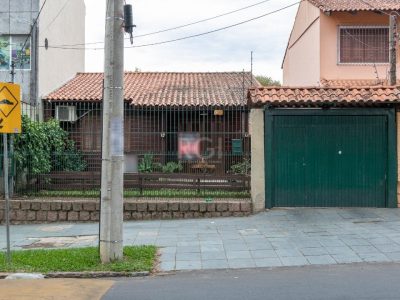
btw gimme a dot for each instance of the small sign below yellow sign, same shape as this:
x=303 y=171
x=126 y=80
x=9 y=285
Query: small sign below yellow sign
x=10 y=108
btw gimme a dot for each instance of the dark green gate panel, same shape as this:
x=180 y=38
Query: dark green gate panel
x=334 y=159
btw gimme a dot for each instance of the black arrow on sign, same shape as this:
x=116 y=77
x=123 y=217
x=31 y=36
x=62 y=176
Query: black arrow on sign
x=1 y=123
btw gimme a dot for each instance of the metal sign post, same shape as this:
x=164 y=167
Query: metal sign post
x=10 y=122
x=6 y=195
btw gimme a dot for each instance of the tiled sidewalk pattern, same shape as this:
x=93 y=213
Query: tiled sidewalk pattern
x=280 y=237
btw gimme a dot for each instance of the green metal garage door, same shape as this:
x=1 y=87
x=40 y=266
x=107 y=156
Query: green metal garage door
x=330 y=158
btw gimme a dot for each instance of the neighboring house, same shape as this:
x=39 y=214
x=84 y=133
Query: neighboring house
x=39 y=68
x=338 y=42
x=329 y=136
x=159 y=107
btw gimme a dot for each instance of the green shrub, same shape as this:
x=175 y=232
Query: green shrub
x=242 y=168
x=147 y=164
x=172 y=167
x=45 y=146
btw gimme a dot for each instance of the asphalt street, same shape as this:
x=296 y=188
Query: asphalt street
x=352 y=281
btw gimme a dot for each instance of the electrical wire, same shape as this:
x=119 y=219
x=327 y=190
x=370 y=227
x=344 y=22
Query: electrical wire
x=203 y=20
x=186 y=37
x=180 y=26
x=58 y=14
x=33 y=26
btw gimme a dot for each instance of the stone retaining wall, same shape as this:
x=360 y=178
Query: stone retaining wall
x=87 y=210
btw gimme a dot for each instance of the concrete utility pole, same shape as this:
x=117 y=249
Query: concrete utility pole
x=392 y=50
x=111 y=216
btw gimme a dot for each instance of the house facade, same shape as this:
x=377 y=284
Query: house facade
x=196 y=123
x=336 y=43
x=39 y=69
x=330 y=137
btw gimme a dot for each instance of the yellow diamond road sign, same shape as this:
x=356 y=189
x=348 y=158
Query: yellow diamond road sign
x=10 y=108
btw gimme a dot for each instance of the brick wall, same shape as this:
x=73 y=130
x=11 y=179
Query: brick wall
x=87 y=210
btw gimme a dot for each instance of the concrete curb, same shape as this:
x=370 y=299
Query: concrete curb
x=87 y=275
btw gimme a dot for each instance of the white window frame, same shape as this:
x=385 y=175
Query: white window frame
x=340 y=27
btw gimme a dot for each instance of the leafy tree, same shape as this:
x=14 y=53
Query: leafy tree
x=45 y=146
x=267 y=81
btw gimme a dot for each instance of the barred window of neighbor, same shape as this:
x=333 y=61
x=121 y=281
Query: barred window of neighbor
x=363 y=45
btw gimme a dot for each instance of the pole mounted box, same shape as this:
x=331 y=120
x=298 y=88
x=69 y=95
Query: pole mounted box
x=128 y=20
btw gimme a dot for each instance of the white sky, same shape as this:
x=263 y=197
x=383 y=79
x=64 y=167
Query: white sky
x=227 y=50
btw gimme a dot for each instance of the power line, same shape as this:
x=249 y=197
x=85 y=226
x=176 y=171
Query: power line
x=203 y=20
x=33 y=26
x=58 y=14
x=66 y=47
x=181 y=26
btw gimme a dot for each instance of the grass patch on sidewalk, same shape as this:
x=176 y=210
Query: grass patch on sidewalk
x=136 y=258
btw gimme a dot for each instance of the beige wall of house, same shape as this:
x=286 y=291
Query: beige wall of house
x=60 y=25
x=258 y=159
x=301 y=63
x=330 y=67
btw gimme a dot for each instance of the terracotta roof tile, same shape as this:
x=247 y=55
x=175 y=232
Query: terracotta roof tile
x=163 y=89
x=355 y=82
x=356 y=5
x=284 y=96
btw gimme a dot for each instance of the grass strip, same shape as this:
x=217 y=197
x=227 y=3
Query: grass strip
x=136 y=259
x=161 y=193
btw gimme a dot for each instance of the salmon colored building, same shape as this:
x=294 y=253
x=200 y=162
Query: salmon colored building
x=330 y=136
x=337 y=42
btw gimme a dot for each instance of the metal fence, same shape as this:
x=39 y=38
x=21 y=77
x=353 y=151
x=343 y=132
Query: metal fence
x=174 y=151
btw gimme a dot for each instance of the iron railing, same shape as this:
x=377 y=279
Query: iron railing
x=173 y=151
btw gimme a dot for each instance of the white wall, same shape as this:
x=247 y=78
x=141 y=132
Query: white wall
x=56 y=66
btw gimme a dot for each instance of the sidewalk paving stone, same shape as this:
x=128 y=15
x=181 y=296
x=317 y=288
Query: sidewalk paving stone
x=294 y=261
x=264 y=254
x=238 y=254
x=374 y=257
x=364 y=249
x=393 y=256
x=188 y=249
x=313 y=251
x=188 y=265
x=340 y=250
x=241 y=263
x=278 y=237
x=268 y=262
x=320 y=260
x=259 y=246
x=215 y=264
x=288 y=252
x=346 y=259
x=211 y=248
x=213 y=255
x=188 y=256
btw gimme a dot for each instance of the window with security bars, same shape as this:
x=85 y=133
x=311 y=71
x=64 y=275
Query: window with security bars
x=364 y=45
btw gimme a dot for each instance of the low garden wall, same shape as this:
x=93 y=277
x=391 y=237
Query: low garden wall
x=88 y=210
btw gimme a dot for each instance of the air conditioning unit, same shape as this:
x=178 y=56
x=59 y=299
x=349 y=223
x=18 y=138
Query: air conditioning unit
x=66 y=113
